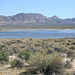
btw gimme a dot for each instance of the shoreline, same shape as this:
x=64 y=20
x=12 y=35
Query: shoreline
x=38 y=29
x=17 y=30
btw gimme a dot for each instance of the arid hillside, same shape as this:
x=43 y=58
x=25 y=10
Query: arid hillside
x=37 y=56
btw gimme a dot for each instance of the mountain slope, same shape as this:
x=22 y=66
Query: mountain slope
x=33 y=19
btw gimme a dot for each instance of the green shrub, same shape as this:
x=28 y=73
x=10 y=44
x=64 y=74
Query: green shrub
x=18 y=41
x=3 y=46
x=3 y=56
x=13 y=63
x=16 y=63
x=70 y=54
x=24 y=55
x=67 y=74
x=72 y=47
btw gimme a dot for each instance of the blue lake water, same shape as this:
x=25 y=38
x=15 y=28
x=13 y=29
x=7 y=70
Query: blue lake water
x=38 y=33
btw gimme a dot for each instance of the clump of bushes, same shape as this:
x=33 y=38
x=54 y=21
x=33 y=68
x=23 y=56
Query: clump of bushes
x=17 y=63
x=2 y=46
x=67 y=73
x=3 y=57
x=47 y=64
x=24 y=55
x=35 y=45
x=13 y=63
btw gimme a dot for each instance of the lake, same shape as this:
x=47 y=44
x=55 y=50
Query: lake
x=37 y=33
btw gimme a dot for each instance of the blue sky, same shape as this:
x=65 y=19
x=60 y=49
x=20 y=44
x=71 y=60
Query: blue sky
x=61 y=8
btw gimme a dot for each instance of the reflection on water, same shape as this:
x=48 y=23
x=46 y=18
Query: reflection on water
x=38 y=33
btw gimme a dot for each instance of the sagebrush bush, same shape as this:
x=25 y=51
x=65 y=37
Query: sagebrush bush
x=3 y=56
x=48 y=64
x=13 y=63
x=24 y=55
x=16 y=63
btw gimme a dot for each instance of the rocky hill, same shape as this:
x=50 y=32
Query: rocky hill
x=31 y=19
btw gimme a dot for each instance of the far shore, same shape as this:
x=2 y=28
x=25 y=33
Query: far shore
x=36 y=29
x=18 y=30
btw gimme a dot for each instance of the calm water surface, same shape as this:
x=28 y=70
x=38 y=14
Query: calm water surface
x=38 y=33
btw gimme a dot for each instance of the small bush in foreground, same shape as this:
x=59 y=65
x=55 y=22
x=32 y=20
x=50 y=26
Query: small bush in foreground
x=24 y=55
x=3 y=56
x=13 y=63
x=16 y=63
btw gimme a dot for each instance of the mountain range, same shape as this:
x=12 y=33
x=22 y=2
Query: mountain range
x=34 y=19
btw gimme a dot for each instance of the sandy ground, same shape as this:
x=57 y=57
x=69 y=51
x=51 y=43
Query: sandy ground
x=72 y=69
x=7 y=70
